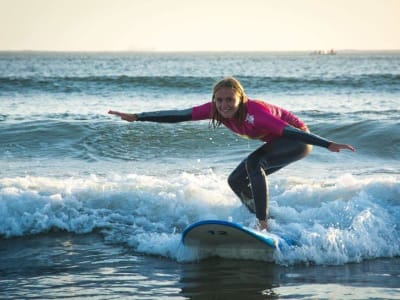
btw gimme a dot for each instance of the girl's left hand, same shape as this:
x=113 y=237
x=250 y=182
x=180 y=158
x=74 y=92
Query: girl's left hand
x=334 y=147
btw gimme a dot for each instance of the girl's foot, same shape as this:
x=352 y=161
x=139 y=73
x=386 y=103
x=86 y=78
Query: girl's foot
x=261 y=225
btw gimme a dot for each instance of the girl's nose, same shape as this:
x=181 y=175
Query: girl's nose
x=225 y=104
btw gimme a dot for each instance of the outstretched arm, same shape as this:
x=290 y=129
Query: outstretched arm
x=164 y=116
x=309 y=138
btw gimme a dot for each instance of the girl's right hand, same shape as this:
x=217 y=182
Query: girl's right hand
x=124 y=116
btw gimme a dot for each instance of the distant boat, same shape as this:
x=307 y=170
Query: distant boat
x=324 y=52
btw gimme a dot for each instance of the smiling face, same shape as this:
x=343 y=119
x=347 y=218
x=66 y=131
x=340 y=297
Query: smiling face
x=227 y=102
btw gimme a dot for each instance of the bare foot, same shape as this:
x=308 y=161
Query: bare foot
x=262 y=225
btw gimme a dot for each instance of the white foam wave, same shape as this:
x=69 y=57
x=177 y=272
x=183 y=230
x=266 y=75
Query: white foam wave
x=333 y=221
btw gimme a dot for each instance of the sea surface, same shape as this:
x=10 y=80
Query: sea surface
x=94 y=207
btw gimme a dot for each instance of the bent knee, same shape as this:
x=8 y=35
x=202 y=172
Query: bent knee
x=254 y=161
x=233 y=180
x=306 y=150
x=299 y=151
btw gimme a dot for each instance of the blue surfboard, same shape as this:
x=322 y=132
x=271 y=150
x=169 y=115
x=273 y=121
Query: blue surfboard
x=230 y=240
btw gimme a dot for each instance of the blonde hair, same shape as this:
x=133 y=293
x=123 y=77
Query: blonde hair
x=236 y=86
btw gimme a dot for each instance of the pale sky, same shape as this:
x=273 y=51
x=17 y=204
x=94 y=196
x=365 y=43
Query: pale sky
x=199 y=25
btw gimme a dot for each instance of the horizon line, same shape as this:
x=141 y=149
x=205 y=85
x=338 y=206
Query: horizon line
x=200 y=51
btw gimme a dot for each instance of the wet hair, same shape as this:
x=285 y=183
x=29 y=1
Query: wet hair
x=234 y=84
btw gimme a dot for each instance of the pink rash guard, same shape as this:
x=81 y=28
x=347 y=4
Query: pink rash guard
x=263 y=121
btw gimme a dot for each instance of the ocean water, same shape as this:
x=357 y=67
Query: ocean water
x=91 y=206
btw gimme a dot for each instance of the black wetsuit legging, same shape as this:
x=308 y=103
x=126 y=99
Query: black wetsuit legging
x=249 y=179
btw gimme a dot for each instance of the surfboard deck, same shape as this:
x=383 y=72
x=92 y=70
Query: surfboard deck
x=229 y=239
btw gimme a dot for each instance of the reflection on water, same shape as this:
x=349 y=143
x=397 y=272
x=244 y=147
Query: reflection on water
x=61 y=265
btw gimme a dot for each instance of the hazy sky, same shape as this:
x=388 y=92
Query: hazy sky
x=180 y=25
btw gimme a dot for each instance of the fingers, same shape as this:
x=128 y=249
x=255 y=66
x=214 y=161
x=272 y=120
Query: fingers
x=337 y=147
x=117 y=113
x=113 y=112
x=344 y=146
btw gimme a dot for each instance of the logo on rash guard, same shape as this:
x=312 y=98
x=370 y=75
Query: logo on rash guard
x=250 y=119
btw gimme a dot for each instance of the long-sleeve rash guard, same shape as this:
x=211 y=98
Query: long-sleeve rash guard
x=263 y=121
